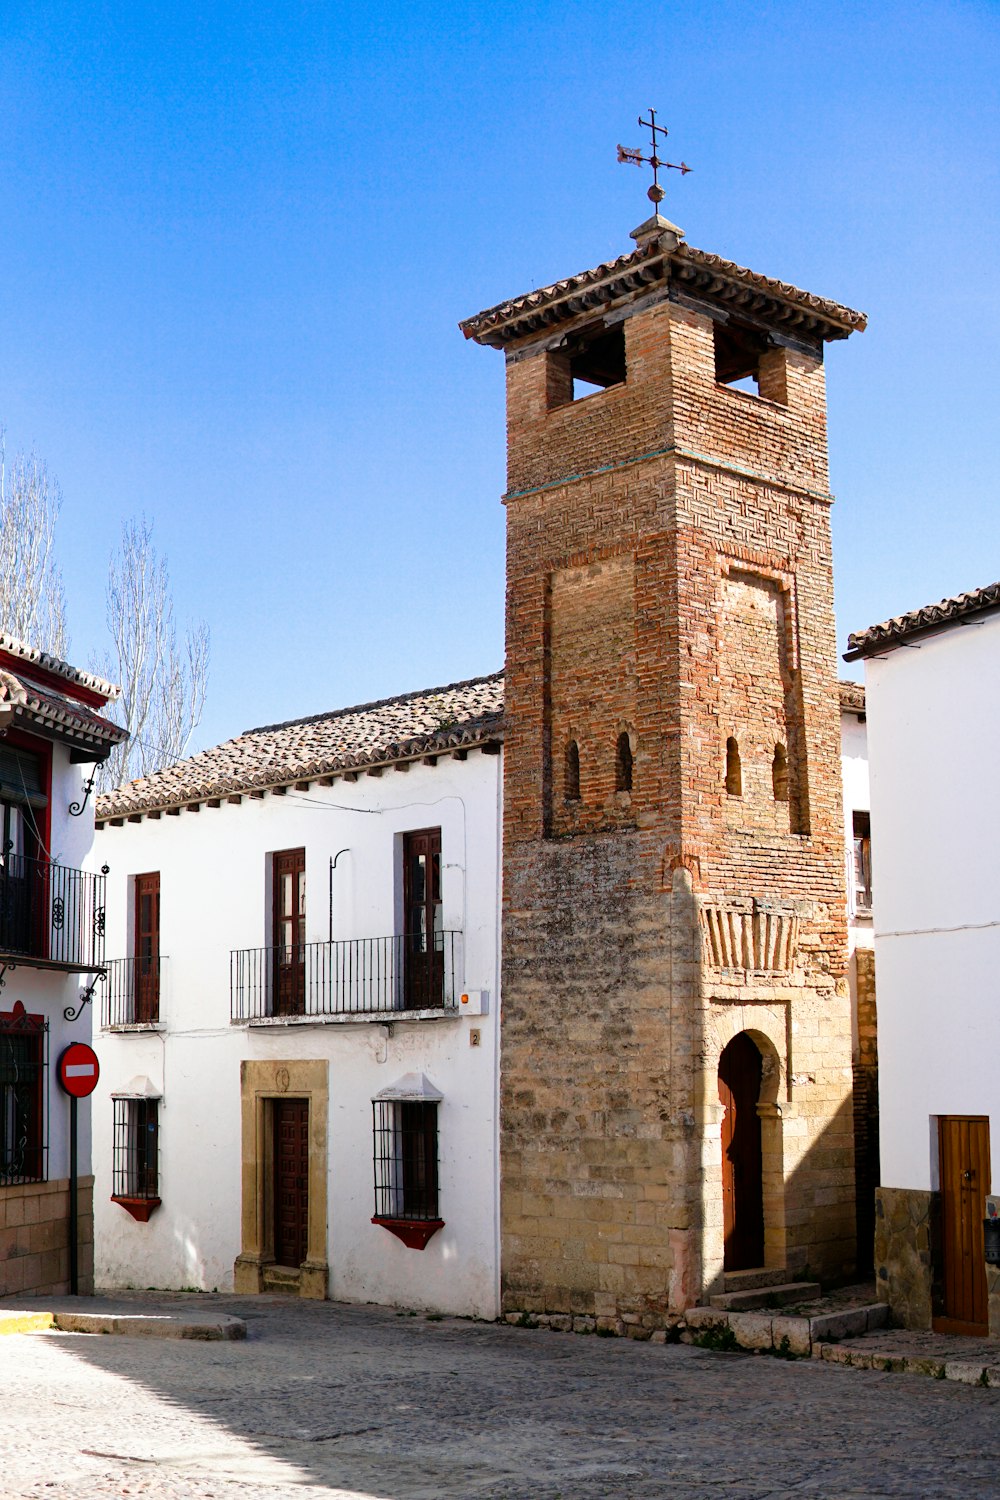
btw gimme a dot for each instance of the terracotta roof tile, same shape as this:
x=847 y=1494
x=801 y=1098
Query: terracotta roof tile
x=392 y=729
x=852 y=697
x=878 y=639
x=48 y=708
x=641 y=269
x=55 y=664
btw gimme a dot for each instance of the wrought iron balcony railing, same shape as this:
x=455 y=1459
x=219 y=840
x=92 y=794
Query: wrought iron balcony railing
x=50 y=915
x=131 y=991
x=361 y=976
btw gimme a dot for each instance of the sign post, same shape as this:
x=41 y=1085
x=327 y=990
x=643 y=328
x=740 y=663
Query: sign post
x=78 y=1071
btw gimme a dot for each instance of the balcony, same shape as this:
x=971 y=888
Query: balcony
x=359 y=977
x=51 y=917
x=131 y=992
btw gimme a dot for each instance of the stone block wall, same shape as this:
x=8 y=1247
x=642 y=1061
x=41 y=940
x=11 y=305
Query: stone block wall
x=904 y=1253
x=34 y=1237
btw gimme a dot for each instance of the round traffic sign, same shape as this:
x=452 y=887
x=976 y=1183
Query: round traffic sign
x=78 y=1070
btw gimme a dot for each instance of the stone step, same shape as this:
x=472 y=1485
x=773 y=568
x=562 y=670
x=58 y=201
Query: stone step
x=784 y=1333
x=743 y=1281
x=767 y=1296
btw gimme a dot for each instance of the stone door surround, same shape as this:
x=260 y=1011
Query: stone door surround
x=260 y=1083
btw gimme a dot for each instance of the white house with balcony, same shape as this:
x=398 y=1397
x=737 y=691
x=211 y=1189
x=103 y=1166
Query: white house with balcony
x=299 y=1023
x=52 y=733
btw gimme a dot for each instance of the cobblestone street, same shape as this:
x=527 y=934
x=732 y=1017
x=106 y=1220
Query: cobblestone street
x=323 y=1400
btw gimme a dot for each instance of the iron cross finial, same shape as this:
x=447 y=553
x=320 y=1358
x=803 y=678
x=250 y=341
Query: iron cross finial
x=655 y=194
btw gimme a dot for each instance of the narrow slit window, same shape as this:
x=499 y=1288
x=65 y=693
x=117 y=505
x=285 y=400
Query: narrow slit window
x=734 y=769
x=623 y=764
x=572 y=772
x=779 y=774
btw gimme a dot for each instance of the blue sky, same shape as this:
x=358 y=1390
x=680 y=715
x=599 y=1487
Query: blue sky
x=237 y=239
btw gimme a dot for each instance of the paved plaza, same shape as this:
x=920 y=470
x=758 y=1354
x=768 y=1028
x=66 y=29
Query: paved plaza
x=323 y=1400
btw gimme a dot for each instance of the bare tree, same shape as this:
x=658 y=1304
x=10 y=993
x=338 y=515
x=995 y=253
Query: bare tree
x=32 y=600
x=163 y=683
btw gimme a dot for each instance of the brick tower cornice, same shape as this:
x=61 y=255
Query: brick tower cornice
x=674 y=270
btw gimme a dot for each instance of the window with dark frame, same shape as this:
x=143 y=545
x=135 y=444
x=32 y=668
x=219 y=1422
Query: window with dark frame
x=146 y=984
x=288 y=927
x=862 y=862
x=406 y=1159
x=423 y=935
x=23 y=1063
x=135 y=1166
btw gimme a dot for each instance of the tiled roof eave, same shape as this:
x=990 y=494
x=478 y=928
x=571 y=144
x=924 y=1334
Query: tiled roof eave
x=59 y=668
x=116 y=805
x=90 y=729
x=890 y=634
x=699 y=270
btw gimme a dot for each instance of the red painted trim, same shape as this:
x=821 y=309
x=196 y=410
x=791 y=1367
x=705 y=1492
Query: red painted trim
x=413 y=1232
x=45 y=678
x=139 y=1208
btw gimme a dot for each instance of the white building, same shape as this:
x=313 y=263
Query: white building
x=936 y=826
x=300 y=1019
x=52 y=732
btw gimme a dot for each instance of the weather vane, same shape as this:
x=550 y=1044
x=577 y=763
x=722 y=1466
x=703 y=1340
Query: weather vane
x=655 y=194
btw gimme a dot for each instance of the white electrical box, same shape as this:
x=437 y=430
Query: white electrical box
x=474 y=1003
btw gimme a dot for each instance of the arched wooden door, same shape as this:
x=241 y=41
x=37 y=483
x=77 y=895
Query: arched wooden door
x=740 y=1072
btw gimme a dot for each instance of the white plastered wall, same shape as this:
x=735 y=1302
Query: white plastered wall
x=213 y=883
x=933 y=726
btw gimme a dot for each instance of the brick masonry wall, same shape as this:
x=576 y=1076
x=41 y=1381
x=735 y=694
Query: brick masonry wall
x=678 y=594
x=34 y=1237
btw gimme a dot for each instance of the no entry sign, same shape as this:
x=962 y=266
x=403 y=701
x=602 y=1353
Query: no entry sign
x=78 y=1070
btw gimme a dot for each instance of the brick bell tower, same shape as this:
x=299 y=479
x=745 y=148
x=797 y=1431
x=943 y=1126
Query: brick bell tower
x=676 y=1028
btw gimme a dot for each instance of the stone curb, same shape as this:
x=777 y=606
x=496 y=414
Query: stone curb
x=132 y=1325
x=964 y=1371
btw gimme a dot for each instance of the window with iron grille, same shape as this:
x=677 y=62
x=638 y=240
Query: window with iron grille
x=862 y=863
x=136 y=1149
x=23 y=1062
x=406 y=1159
